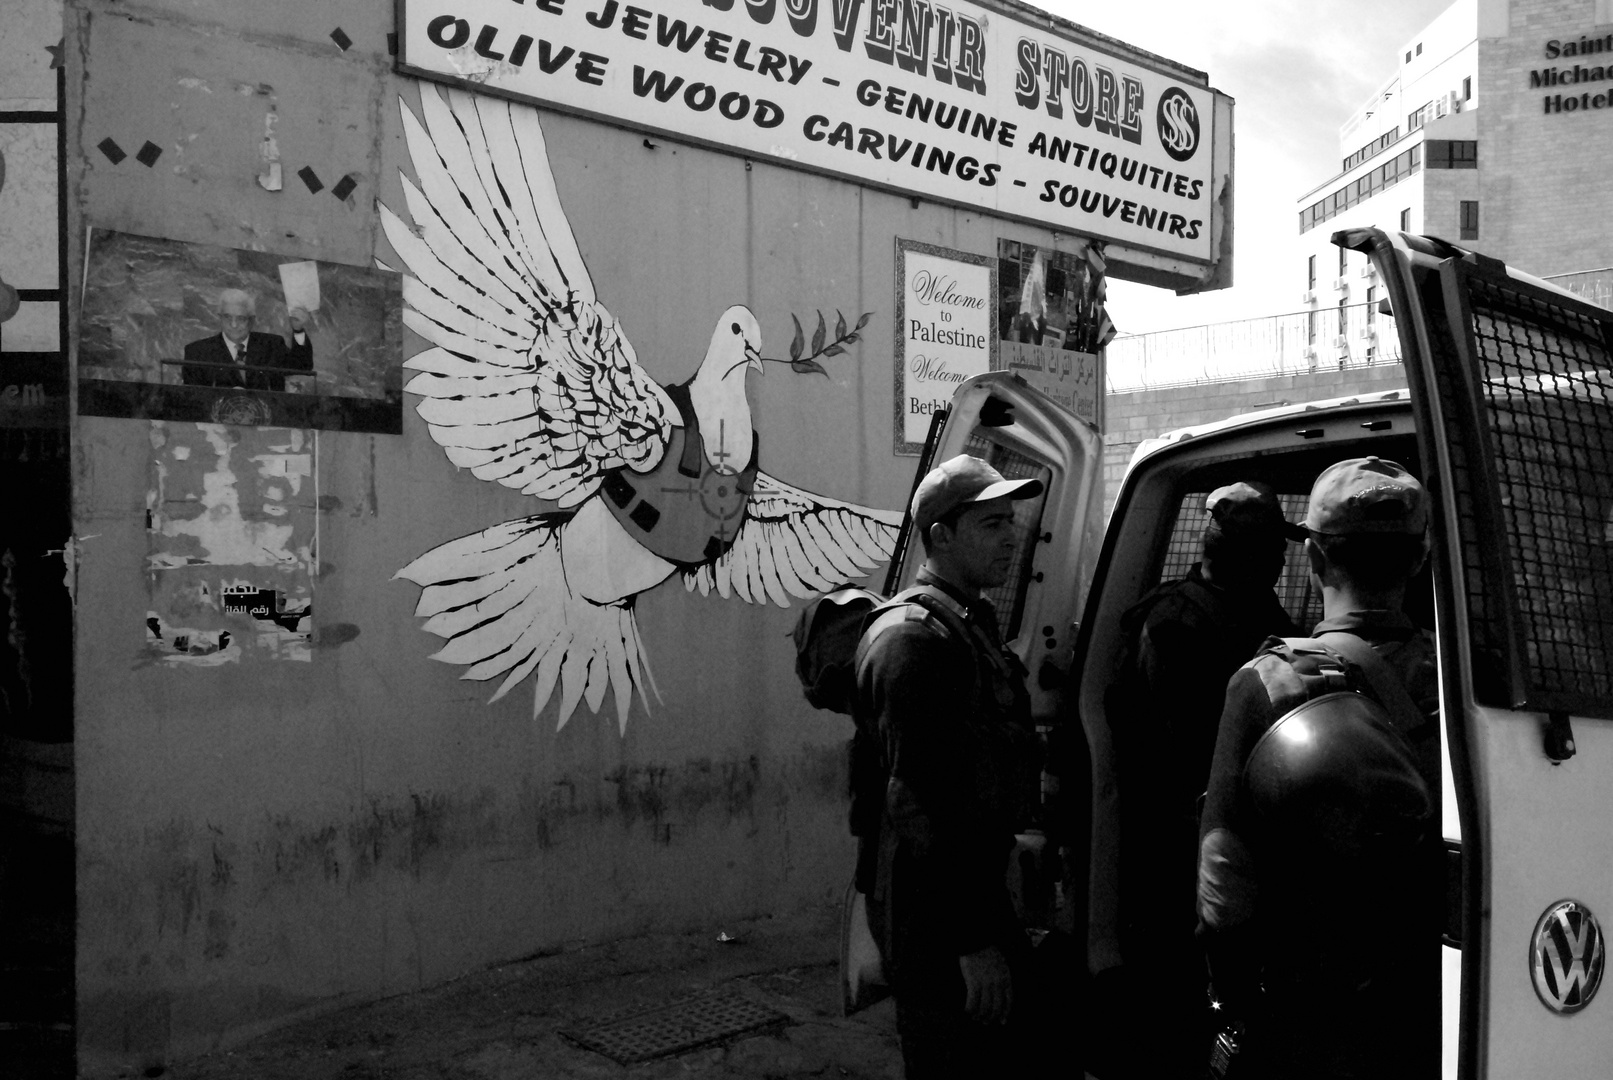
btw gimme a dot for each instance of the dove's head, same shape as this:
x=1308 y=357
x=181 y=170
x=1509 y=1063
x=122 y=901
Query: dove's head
x=736 y=344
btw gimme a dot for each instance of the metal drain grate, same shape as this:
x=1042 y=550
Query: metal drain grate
x=674 y=1029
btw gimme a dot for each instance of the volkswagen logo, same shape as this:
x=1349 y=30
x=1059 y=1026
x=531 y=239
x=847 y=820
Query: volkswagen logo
x=1566 y=957
x=1177 y=120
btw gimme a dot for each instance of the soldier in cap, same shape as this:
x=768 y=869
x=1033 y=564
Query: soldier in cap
x=947 y=711
x=1184 y=639
x=1317 y=898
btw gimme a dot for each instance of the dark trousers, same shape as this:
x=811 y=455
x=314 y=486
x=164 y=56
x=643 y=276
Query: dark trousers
x=939 y=1040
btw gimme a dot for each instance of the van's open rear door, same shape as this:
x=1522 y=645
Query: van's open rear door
x=1512 y=383
x=1022 y=432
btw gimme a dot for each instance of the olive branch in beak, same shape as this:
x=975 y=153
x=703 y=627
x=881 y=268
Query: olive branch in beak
x=808 y=364
x=753 y=358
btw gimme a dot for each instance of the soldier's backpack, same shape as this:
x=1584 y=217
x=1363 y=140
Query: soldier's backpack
x=826 y=635
x=829 y=628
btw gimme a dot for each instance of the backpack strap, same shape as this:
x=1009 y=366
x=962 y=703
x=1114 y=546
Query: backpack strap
x=1305 y=669
x=898 y=609
x=1386 y=686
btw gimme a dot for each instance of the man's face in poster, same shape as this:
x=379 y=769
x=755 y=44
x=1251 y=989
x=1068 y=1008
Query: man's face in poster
x=236 y=311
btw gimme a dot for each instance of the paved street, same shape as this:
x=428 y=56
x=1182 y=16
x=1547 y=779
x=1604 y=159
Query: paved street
x=506 y=1023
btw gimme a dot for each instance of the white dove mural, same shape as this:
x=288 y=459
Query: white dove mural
x=530 y=383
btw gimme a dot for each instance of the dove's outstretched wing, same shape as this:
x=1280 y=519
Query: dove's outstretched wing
x=795 y=543
x=530 y=382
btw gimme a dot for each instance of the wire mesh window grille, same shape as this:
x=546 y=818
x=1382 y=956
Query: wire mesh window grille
x=1294 y=591
x=1547 y=379
x=1009 y=598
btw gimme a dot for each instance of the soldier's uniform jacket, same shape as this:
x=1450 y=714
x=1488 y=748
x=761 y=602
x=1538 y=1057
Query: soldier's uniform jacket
x=1345 y=949
x=942 y=707
x=1186 y=638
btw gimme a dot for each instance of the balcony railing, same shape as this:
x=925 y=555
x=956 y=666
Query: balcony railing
x=1593 y=285
x=1299 y=343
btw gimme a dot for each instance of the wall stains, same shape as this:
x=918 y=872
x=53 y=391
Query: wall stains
x=328 y=637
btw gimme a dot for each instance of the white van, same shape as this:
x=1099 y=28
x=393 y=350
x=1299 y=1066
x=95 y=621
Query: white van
x=1508 y=420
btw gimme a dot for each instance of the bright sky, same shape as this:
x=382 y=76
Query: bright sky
x=1296 y=70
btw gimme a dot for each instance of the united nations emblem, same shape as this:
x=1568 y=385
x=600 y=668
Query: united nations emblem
x=243 y=409
x=1566 y=957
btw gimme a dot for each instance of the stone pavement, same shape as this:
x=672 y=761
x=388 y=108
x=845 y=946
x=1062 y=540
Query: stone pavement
x=505 y=1023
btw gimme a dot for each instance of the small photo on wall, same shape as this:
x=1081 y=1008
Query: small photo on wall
x=170 y=330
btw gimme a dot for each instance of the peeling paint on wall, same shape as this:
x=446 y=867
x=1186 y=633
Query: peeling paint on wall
x=230 y=517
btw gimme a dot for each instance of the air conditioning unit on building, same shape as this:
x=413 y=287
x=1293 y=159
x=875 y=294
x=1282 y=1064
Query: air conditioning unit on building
x=1341 y=342
x=1369 y=271
x=1342 y=284
x=1456 y=101
x=1367 y=333
x=1308 y=296
x=1442 y=105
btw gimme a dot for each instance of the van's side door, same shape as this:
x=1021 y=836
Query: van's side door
x=1512 y=384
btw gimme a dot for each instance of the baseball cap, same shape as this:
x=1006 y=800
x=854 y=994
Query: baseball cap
x=1250 y=507
x=1367 y=495
x=964 y=479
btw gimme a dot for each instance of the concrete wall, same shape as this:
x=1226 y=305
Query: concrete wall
x=267 y=837
x=1142 y=414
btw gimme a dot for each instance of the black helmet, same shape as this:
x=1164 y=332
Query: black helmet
x=1334 y=780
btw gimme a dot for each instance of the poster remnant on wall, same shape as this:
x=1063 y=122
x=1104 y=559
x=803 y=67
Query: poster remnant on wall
x=232 y=524
x=194 y=332
x=972 y=105
x=530 y=382
x=946 y=321
x=1054 y=322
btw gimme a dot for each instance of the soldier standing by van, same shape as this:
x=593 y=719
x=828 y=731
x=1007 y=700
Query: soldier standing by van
x=1317 y=896
x=956 y=777
x=1184 y=640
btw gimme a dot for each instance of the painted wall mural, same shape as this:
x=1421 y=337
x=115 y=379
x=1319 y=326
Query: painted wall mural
x=530 y=383
x=319 y=340
x=232 y=525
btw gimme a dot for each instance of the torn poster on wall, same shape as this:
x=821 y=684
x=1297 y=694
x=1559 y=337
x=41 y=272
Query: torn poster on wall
x=179 y=331
x=231 y=523
x=530 y=382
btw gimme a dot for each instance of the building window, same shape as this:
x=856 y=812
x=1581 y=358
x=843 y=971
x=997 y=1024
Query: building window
x=1408 y=56
x=1391 y=172
x=1451 y=153
x=1469 y=224
x=1310 y=328
x=1405 y=220
x=1372 y=304
x=1419 y=48
x=1343 y=316
x=1420 y=117
x=1371 y=149
x=1310 y=272
x=1467 y=88
x=1344 y=261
